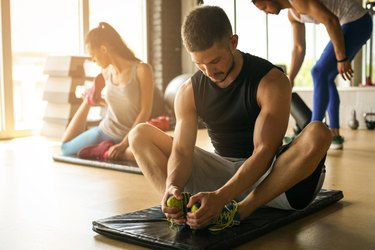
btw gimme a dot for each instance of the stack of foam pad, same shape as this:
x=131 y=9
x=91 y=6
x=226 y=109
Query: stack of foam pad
x=65 y=73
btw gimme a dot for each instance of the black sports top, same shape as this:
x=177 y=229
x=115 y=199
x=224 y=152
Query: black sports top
x=230 y=113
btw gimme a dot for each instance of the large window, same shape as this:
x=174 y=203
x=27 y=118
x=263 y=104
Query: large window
x=270 y=36
x=36 y=33
x=33 y=30
x=251 y=28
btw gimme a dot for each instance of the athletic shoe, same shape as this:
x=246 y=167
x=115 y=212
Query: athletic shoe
x=95 y=152
x=94 y=95
x=337 y=142
x=173 y=202
x=106 y=156
x=288 y=139
x=228 y=218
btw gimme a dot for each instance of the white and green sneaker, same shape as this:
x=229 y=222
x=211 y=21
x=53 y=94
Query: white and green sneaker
x=337 y=142
x=288 y=139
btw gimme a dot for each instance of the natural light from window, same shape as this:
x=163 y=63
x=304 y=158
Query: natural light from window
x=37 y=33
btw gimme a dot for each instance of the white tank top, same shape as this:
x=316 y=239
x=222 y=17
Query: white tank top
x=346 y=11
x=123 y=104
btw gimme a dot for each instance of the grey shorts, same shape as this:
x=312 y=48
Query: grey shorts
x=211 y=171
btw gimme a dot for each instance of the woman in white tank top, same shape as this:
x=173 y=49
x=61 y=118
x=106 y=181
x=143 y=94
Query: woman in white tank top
x=348 y=25
x=128 y=94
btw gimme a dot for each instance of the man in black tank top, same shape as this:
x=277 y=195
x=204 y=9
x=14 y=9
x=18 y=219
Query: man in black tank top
x=245 y=103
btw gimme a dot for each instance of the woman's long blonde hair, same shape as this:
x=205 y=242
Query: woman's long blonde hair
x=106 y=35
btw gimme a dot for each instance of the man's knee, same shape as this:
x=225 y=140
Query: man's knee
x=319 y=73
x=138 y=134
x=318 y=135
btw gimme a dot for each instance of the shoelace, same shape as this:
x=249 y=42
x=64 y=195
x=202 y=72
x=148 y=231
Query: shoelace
x=185 y=201
x=226 y=218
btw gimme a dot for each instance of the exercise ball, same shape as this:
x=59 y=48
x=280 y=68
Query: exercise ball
x=171 y=91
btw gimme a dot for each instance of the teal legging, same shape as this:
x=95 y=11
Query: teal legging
x=89 y=137
x=324 y=72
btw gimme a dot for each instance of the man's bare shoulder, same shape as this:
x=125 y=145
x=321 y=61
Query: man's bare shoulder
x=186 y=87
x=274 y=83
x=275 y=75
x=185 y=95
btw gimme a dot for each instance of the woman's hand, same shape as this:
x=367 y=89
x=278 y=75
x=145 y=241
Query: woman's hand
x=116 y=151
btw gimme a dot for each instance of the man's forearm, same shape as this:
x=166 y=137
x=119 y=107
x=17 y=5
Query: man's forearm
x=247 y=175
x=337 y=38
x=179 y=171
x=296 y=63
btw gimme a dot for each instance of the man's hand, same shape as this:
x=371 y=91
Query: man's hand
x=345 y=70
x=291 y=80
x=176 y=214
x=210 y=208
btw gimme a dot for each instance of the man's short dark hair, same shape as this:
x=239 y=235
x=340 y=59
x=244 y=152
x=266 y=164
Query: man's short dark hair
x=204 y=26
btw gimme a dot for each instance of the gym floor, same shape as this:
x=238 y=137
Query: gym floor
x=50 y=205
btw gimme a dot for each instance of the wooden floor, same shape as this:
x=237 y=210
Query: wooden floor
x=50 y=205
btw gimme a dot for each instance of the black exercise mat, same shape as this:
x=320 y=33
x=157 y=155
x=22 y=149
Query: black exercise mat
x=126 y=166
x=149 y=228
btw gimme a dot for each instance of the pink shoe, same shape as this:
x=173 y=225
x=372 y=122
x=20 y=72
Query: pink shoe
x=96 y=152
x=106 y=156
x=94 y=95
x=161 y=122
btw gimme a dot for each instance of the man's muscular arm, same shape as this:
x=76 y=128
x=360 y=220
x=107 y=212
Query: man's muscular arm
x=180 y=162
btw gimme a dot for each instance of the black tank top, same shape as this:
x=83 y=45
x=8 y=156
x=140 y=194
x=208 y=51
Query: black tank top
x=230 y=113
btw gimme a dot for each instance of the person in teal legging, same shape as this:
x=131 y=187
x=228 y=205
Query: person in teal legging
x=128 y=95
x=349 y=26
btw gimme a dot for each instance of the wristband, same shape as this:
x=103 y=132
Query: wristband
x=343 y=60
